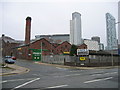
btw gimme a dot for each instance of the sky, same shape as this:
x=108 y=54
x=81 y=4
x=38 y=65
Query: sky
x=53 y=17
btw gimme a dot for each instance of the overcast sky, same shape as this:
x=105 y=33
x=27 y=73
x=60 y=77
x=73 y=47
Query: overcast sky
x=53 y=17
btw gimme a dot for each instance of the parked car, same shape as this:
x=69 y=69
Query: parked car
x=9 y=61
x=13 y=57
x=7 y=56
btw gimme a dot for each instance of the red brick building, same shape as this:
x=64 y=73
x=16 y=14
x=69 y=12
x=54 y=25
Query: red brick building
x=25 y=51
x=7 y=45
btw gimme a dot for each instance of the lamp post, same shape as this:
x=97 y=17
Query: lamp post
x=113 y=47
x=118 y=37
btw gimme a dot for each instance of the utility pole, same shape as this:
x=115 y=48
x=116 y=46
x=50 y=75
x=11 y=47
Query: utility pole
x=41 y=51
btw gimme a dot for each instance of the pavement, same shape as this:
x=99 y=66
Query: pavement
x=15 y=70
x=75 y=67
x=20 y=70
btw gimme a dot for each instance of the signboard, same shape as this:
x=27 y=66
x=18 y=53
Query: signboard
x=66 y=53
x=36 y=55
x=82 y=52
x=82 y=58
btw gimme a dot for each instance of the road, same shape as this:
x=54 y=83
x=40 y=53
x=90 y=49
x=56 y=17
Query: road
x=49 y=77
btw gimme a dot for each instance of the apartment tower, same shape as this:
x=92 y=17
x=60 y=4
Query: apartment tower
x=111 y=32
x=75 y=29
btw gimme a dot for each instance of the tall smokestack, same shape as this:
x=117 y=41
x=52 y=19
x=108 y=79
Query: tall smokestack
x=28 y=30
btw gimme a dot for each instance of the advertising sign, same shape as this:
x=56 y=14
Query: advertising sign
x=82 y=58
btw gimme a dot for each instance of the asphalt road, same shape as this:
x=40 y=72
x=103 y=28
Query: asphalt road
x=49 y=77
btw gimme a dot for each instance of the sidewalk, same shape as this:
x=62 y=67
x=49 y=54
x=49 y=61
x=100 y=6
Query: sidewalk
x=75 y=67
x=15 y=70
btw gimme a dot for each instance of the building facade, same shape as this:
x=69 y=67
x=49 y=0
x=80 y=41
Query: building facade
x=91 y=44
x=111 y=32
x=75 y=29
x=101 y=46
x=96 y=38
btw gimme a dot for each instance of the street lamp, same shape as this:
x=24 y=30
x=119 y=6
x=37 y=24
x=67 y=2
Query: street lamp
x=118 y=37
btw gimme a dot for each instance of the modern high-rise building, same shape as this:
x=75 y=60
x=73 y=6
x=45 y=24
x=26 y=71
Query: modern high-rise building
x=96 y=38
x=111 y=32
x=75 y=29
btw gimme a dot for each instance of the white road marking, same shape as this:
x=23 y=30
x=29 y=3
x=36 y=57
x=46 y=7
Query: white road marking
x=3 y=82
x=37 y=74
x=61 y=68
x=76 y=71
x=98 y=80
x=68 y=75
x=16 y=80
x=58 y=86
x=104 y=74
x=96 y=74
x=26 y=83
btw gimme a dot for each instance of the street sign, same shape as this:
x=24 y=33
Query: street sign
x=82 y=52
x=82 y=58
x=36 y=55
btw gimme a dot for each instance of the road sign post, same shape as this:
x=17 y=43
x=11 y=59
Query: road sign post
x=37 y=54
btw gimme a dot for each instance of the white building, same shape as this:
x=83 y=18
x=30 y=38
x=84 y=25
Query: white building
x=111 y=32
x=75 y=29
x=101 y=46
x=91 y=44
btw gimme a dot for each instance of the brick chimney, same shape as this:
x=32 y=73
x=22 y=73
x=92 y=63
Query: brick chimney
x=28 y=30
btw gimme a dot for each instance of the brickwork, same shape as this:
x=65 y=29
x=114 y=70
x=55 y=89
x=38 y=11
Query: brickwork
x=28 y=30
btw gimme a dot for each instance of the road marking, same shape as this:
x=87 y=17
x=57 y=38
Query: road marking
x=16 y=80
x=3 y=82
x=61 y=68
x=76 y=71
x=104 y=74
x=98 y=80
x=58 y=86
x=25 y=83
x=69 y=75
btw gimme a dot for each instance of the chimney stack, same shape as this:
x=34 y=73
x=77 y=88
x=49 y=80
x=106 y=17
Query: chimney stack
x=28 y=30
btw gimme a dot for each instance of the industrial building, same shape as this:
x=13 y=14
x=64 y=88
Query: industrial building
x=56 y=38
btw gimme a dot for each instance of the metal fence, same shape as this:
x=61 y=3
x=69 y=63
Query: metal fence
x=90 y=60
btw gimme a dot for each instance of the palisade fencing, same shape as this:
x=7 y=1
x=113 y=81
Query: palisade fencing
x=91 y=60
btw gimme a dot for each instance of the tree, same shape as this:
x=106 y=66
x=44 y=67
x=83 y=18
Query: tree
x=73 y=50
